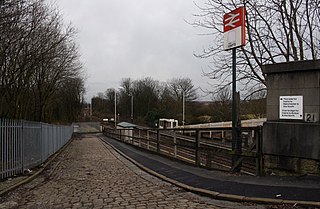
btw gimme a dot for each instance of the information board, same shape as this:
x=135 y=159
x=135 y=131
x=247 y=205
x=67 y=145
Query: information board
x=291 y=107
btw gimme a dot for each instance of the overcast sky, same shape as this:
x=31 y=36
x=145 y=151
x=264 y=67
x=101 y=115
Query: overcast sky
x=136 y=38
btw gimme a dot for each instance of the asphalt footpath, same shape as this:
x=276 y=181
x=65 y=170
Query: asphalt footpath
x=267 y=188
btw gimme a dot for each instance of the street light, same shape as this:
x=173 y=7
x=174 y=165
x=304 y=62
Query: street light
x=131 y=107
x=90 y=110
x=183 y=107
x=115 y=108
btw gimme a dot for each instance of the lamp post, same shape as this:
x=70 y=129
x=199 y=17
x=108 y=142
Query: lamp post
x=90 y=109
x=183 y=107
x=115 y=108
x=131 y=107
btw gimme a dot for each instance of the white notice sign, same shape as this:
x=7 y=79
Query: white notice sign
x=291 y=107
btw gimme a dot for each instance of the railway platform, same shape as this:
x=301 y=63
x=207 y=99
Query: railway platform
x=94 y=171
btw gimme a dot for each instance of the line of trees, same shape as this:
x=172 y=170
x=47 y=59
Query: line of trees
x=41 y=77
x=153 y=100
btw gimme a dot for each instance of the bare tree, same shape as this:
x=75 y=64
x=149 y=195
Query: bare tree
x=38 y=57
x=182 y=86
x=110 y=100
x=127 y=85
x=69 y=105
x=126 y=98
x=221 y=107
x=277 y=31
x=183 y=93
x=146 y=93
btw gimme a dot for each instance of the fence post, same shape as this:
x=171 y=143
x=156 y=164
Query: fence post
x=4 y=149
x=259 y=159
x=132 y=137
x=223 y=139
x=197 y=146
x=22 y=144
x=158 y=141
x=175 y=144
x=148 y=138
x=139 y=141
x=41 y=142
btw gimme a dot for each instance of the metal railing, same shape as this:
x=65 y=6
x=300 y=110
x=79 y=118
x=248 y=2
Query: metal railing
x=86 y=127
x=209 y=147
x=26 y=144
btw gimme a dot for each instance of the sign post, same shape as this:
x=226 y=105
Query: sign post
x=234 y=36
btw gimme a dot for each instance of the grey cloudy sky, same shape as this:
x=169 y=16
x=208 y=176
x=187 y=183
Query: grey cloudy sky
x=136 y=39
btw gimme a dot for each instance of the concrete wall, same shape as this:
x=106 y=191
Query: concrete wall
x=292 y=137
x=300 y=140
x=293 y=79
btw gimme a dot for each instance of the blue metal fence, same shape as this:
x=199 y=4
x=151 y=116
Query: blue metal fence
x=26 y=144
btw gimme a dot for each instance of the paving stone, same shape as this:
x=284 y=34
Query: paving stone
x=89 y=174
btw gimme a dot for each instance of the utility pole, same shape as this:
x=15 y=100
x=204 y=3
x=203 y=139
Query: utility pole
x=131 y=108
x=183 y=107
x=115 y=108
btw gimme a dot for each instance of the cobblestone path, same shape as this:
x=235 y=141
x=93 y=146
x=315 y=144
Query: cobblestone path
x=89 y=174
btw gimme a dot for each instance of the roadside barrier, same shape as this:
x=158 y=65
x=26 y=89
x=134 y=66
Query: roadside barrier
x=27 y=144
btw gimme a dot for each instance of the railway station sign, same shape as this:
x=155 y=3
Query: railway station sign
x=234 y=36
x=234 y=28
x=291 y=107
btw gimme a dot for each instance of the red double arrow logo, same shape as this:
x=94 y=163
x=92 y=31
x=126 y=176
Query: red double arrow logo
x=234 y=19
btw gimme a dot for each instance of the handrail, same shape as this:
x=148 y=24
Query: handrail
x=172 y=143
